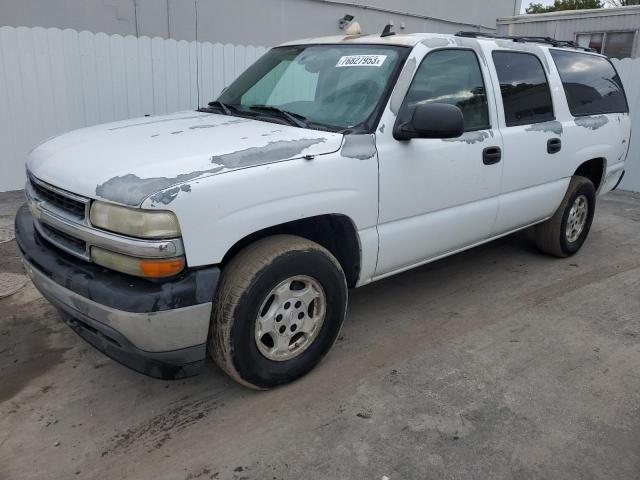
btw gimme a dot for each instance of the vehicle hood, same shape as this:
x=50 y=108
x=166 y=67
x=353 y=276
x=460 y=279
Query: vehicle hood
x=126 y=161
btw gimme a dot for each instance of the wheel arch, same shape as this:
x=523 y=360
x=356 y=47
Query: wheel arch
x=594 y=170
x=335 y=232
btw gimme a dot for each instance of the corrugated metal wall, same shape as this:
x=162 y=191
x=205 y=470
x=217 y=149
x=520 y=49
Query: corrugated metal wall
x=565 y=25
x=565 y=28
x=53 y=81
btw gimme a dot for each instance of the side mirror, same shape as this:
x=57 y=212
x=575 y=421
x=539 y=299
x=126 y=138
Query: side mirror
x=432 y=120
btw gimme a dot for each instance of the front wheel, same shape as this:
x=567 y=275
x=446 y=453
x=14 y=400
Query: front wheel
x=564 y=233
x=278 y=310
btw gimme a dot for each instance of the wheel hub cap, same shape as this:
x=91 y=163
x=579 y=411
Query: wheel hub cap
x=577 y=218
x=290 y=318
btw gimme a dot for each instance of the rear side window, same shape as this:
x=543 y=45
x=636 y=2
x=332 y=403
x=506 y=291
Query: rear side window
x=525 y=91
x=590 y=82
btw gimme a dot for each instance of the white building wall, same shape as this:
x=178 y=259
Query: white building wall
x=251 y=22
x=53 y=81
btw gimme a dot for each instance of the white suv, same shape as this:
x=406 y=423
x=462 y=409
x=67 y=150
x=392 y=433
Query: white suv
x=236 y=230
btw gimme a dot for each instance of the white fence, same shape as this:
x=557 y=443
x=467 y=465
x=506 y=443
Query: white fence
x=629 y=70
x=52 y=81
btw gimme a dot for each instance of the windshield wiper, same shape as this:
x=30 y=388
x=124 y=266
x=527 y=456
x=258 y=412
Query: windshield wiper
x=226 y=109
x=294 y=118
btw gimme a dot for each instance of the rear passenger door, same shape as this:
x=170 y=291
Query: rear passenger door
x=534 y=171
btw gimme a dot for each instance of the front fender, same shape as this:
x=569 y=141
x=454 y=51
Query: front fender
x=218 y=211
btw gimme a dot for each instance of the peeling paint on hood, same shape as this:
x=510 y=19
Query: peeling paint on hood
x=132 y=190
x=125 y=162
x=269 y=153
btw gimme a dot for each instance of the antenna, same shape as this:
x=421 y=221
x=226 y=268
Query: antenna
x=387 y=30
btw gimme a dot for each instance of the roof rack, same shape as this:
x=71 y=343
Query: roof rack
x=525 y=39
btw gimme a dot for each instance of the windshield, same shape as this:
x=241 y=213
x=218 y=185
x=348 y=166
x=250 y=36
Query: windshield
x=334 y=86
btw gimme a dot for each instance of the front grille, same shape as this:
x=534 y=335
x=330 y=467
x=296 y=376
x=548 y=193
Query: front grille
x=59 y=200
x=63 y=240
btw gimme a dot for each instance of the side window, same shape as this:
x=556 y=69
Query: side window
x=454 y=77
x=525 y=91
x=590 y=82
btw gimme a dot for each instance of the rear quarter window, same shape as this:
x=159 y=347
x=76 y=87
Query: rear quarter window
x=590 y=82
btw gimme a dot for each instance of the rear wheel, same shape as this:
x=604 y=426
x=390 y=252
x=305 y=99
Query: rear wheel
x=278 y=310
x=564 y=233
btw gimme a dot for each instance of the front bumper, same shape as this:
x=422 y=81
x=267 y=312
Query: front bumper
x=158 y=328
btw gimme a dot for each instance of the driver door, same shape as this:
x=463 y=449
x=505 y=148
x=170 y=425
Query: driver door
x=438 y=196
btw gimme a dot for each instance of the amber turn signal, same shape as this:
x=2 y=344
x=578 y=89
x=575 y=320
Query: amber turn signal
x=140 y=267
x=161 y=268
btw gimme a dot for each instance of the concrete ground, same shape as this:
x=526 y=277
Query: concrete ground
x=496 y=363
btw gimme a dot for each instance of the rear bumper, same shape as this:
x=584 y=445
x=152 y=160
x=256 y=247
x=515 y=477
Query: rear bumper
x=156 y=328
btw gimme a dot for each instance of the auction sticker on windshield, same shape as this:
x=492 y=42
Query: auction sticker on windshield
x=361 y=61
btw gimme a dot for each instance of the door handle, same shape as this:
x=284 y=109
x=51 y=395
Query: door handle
x=491 y=155
x=554 y=145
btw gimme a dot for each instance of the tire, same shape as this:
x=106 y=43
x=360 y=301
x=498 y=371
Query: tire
x=552 y=236
x=243 y=302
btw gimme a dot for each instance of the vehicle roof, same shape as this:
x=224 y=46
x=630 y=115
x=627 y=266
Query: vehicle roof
x=404 y=39
x=413 y=39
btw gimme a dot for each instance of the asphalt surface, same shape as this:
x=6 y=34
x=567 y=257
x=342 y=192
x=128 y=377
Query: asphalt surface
x=497 y=363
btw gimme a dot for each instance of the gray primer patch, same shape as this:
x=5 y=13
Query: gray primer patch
x=158 y=121
x=221 y=124
x=550 y=127
x=436 y=42
x=592 y=123
x=362 y=147
x=402 y=85
x=272 y=152
x=132 y=190
x=382 y=127
x=470 y=137
x=167 y=196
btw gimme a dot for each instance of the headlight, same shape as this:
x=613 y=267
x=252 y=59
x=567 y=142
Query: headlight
x=134 y=221
x=140 y=267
